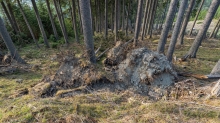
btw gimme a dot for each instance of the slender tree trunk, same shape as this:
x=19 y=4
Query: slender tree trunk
x=185 y=22
x=216 y=26
x=80 y=19
x=27 y=23
x=127 y=19
x=51 y=20
x=63 y=21
x=206 y=23
x=145 y=18
x=176 y=30
x=216 y=32
x=74 y=20
x=8 y=42
x=87 y=29
x=96 y=16
x=60 y=21
x=9 y=17
x=106 y=18
x=197 y=15
x=167 y=26
x=164 y=14
x=123 y=15
x=100 y=18
x=116 y=20
x=112 y=16
x=40 y=24
x=138 y=22
x=13 y=16
x=119 y=14
x=148 y=17
x=153 y=18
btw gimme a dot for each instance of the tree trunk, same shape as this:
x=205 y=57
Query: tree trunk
x=63 y=21
x=100 y=18
x=138 y=22
x=106 y=19
x=40 y=24
x=9 y=17
x=197 y=15
x=176 y=30
x=112 y=16
x=13 y=16
x=214 y=30
x=127 y=19
x=87 y=29
x=8 y=42
x=148 y=17
x=80 y=19
x=164 y=14
x=60 y=21
x=51 y=20
x=153 y=18
x=145 y=18
x=167 y=26
x=123 y=16
x=116 y=20
x=27 y=23
x=185 y=22
x=74 y=20
x=206 y=23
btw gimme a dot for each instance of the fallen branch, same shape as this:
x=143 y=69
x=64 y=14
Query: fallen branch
x=98 y=49
x=102 y=54
x=216 y=89
x=199 y=76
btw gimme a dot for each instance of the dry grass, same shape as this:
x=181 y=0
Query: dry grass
x=105 y=106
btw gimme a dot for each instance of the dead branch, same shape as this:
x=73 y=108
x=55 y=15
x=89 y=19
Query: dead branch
x=98 y=49
x=102 y=54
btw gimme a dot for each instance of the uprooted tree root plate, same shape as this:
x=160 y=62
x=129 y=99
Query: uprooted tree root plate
x=141 y=69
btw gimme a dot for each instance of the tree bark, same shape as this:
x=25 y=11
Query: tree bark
x=185 y=22
x=153 y=18
x=206 y=23
x=87 y=29
x=106 y=19
x=80 y=19
x=60 y=21
x=27 y=23
x=123 y=16
x=145 y=18
x=9 y=44
x=167 y=26
x=13 y=16
x=74 y=21
x=9 y=17
x=112 y=16
x=63 y=21
x=40 y=24
x=197 y=15
x=51 y=20
x=176 y=30
x=116 y=20
x=214 y=30
x=138 y=22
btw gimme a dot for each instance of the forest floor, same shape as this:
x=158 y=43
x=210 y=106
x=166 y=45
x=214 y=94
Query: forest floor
x=17 y=105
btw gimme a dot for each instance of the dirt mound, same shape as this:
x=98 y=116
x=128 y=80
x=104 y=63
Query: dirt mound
x=144 y=71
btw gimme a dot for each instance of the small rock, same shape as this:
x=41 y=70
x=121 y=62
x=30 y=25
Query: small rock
x=19 y=80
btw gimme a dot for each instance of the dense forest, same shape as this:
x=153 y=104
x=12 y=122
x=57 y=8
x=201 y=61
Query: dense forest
x=91 y=61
